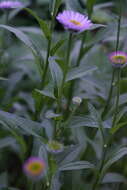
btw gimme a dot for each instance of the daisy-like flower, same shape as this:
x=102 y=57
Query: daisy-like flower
x=118 y=59
x=8 y=4
x=54 y=147
x=74 y=21
x=34 y=168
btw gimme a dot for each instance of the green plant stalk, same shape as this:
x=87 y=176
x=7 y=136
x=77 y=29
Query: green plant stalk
x=44 y=74
x=67 y=61
x=49 y=45
x=109 y=95
x=117 y=98
x=99 y=175
x=72 y=85
x=113 y=73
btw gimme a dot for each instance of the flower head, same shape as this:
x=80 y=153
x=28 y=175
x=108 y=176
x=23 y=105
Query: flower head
x=118 y=59
x=34 y=168
x=74 y=21
x=76 y=100
x=8 y=4
x=54 y=147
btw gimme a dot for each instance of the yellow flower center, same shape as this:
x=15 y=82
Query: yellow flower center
x=75 y=22
x=120 y=58
x=35 y=168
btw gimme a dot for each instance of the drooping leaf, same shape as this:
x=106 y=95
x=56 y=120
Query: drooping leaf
x=21 y=124
x=21 y=36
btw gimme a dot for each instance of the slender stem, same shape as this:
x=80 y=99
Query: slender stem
x=109 y=95
x=49 y=45
x=53 y=13
x=99 y=175
x=72 y=85
x=65 y=71
x=113 y=73
x=117 y=98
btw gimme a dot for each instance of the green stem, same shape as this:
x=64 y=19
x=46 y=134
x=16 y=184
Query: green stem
x=72 y=85
x=99 y=175
x=44 y=75
x=49 y=45
x=113 y=74
x=117 y=98
x=109 y=95
x=65 y=71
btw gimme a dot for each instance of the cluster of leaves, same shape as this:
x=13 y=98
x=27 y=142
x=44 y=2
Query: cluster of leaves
x=30 y=116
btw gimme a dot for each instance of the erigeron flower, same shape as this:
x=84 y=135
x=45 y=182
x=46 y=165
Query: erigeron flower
x=118 y=59
x=54 y=147
x=34 y=168
x=74 y=21
x=8 y=4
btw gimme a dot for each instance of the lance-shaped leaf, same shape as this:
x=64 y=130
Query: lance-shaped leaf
x=56 y=72
x=21 y=36
x=56 y=47
x=114 y=178
x=41 y=22
x=78 y=165
x=79 y=72
x=115 y=156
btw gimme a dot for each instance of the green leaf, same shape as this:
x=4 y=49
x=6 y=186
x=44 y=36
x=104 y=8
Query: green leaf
x=114 y=178
x=48 y=128
x=79 y=72
x=21 y=36
x=78 y=165
x=21 y=124
x=55 y=183
x=117 y=127
x=56 y=72
x=56 y=47
x=90 y=4
x=7 y=141
x=114 y=157
x=41 y=22
x=43 y=154
x=69 y=155
x=47 y=91
x=86 y=121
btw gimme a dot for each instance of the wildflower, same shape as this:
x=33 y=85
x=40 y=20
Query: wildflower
x=74 y=21
x=54 y=147
x=34 y=168
x=77 y=100
x=118 y=59
x=10 y=4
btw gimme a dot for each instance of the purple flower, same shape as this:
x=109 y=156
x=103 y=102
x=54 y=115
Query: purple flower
x=54 y=147
x=118 y=59
x=34 y=168
x=10 y=4
x=74 y=21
